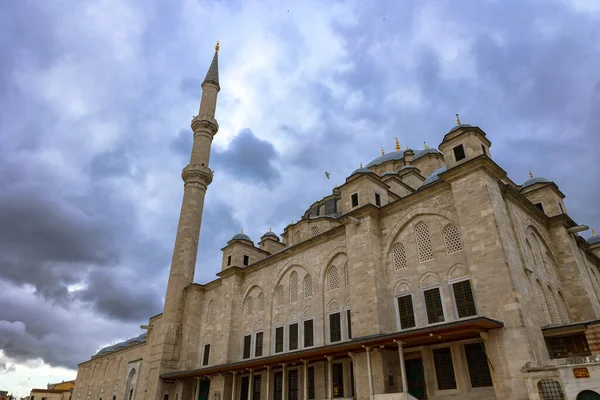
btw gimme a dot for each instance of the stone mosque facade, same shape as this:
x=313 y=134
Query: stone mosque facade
x=428 y=274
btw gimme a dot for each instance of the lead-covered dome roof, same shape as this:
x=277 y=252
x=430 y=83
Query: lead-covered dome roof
x=434 y=176
x=533 y=181
x=241 y=236
x=594 y=238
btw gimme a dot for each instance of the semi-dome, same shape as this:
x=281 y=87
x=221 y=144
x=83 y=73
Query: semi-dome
x=130 y=342
x=394 y=155
x=434 y=176
x=361 y=170
x=455 y=127
x=241 y=236
x=429 y=150
x=533 y=181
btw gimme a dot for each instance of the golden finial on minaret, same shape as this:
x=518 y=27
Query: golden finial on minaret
x=398 y=145
x=217 y=46
x=361 y=165
x=530 y=174
x=382 y=152
x=457 y=120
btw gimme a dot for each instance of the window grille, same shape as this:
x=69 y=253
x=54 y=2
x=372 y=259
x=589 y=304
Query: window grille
x=307 y=287
x=552 y=305
x=247 y=343
x=279 y=295
x=311 y=383
x=314 y=231
x=463 y=296
x=256 y=387
x=563 y=308
x=346 y=275
x=332 y=277
x=407 y=313
x=548 y=265
x=206 y=356
x=278 y=385
x=444 y=370
x=292 y=384
x=452 y=239
x=549 y=389
x=245 y=385
x=423 y=242
x=349 y=322
x=479 y=371
x=529 y=255
x=293 y=337
x=399 y=256
x=536 y=253
x=279 y=339
x=542 y=301
x=258 y=345
x=249 y=306
x=294 y=287
x=337 y=373
x=309 y=333
x=335 y=327
x=297 y=237
x=261 y=302
x=433 y=303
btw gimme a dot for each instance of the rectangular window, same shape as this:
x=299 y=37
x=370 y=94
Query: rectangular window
x=444 y=370
x=479 y=371
x=246 y=260
x=568 y=346
x=337 y=373
x=228 y=260
x=406 y=311
x=279 y=339
x=293 y=337
x=309 y=333
x=459 y=152
x=335 y=328
x=377 y=200
x=311 y=383
x=244 y=388
x=433 y=303
x=355 y=200
x=540 y=206
x=258 y=345
x=463 y=296
x=483 y=149
x=256 y=387
x=349 y=321
x=206 y=356
x=247 y=344
x=292 y=385
x=278 y=385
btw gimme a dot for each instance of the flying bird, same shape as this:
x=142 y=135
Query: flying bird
x=327 y=174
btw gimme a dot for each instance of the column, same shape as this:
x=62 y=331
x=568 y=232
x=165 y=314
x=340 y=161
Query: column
x=402 y=365
x=284 y=382
x=329 y=377
x=233 y=385
x=305 y=391
x=197 y=392
x=368 y=349
x=250 y=384
x=268 y=383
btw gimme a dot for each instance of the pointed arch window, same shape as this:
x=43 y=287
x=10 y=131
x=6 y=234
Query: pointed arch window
x=452 y=239
x=209 y=310
x=542 y=301
x=399 y=256
x=552 y=305
x=529 y=255
x=308 y=289
x=562 y=305
x=333 y=278
x=293 y=287
x=423 y=242
x=249 y=306
x=279 y=295
x=260 y=302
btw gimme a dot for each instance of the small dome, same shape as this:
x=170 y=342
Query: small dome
x=430 y=150
x=241 y=236
x=272 y=234
x=594 y=238
x=533 y=181
x=361 y=171
x=394 y=155
x=434 y=176
x=460 y=126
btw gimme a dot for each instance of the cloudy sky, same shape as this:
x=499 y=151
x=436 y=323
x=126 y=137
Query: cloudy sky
x=95 y=104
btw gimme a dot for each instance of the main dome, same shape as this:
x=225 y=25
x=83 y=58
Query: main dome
x=399 y=155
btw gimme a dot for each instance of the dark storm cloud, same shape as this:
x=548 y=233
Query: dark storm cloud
x=248 y=159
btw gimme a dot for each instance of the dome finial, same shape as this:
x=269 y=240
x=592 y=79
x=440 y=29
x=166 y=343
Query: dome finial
x=594 y=232
x=217 y=46
x=270 y=228
x=457 y=120
x=425 y=145
x=398 y=145
x=242 y=231
x=407 y=147
x=530 y=174
x=361 y=165
x=382 y=152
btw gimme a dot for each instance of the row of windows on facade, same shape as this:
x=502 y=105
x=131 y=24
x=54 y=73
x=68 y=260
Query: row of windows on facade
x=246 y=260
x=354 y=199
x=554 y=311
x=293 y=384
x=314 y=231
x=538 y=259
x=452 y=240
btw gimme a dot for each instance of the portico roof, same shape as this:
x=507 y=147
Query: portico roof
x=436 y=334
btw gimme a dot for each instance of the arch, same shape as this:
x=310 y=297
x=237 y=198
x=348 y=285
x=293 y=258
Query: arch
x=293 y=264
x=249 y=308
x=293 y=287
x=550 y=389
x=402 y=286
x=452 y=239
x=588 y=395
x=551 y=300
x=307 y=286
x=333 y=280
x=337 y=256
x=279 y=296
x=542 y=300
x=260 y=300
x=399 y=256
x=545 y=243
x=346 y=275
x=424 y=249
x=247 y=328
x=529 y=255
x=292 y=316
x=307 y=312
x=562 y=305
x=259 y=325
x=332 y=305
x=429 y=279
x=458 y=271
x=278 y=320
x=130 y=385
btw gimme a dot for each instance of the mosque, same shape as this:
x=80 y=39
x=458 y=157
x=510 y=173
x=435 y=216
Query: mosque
x=428 y=274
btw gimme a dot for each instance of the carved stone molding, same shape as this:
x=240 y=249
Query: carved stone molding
x=197 y=175
x=205 y=123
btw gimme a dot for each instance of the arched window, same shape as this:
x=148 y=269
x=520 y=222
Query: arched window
x=332 y=278
x=563 y=307
x=399 y=256
x=552 y=305
x=297 y=237
x=542 y=301
x=279 y=295
x=209 y=310
x=346 y=275
x=249 y=306
x=549 y=389
x=314 y=231
x=307 y=287
x=452 y=239
x=423 y=242
x=261 y=302
x=294 y=287
x=529 y=255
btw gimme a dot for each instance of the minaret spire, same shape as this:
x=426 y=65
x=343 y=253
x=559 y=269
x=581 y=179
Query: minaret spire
x=212 y=76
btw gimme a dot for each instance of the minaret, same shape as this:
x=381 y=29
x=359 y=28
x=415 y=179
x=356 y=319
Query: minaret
x=196 y=177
